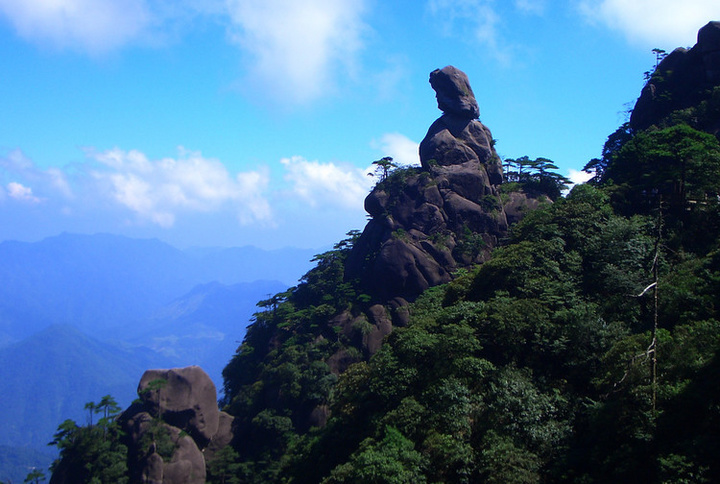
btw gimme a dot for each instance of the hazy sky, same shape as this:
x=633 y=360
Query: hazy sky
x=237 y=122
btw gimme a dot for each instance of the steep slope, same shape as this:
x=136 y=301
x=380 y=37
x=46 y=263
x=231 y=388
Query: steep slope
x=204 y=327
x=550 y=362
x=427 y=223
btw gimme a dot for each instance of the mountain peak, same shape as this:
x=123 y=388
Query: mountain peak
x=683 y=80
x=426 y=223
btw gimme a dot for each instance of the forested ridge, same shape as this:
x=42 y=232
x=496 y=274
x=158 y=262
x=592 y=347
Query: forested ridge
x=543 y=364
x=585 y=349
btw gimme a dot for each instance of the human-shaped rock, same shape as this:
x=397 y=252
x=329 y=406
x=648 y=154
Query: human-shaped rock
x=458 y=138
x=430 y=222
x=453 y=93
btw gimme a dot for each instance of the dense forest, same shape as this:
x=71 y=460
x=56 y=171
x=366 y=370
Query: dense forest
x=584 y=349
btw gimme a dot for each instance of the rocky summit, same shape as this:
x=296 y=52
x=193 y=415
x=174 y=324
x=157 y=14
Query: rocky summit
x=428 y=222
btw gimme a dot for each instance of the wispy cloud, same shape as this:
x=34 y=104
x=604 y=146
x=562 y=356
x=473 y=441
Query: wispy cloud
x=473 y=19
x=653 y=23
x=402 y=149
x=100 y=26
x=21 y=193
x=536 y=7
x=16 y=166
x=129 y=189
x=297 y=48
x=96 y=26
x=327 y=183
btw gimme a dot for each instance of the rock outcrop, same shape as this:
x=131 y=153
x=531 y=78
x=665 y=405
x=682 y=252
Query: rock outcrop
x=175 y=427
x=684 y=79
x=428 y=222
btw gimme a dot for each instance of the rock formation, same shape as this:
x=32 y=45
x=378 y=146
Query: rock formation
x=175 y=427
x=430 y=221
x=684 y=79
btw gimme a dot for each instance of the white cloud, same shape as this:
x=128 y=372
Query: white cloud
x=326 y=183
x=99 y=26
x=186 y=199
x=93 y=25
x=578 y=176
x=402 y=149
x=21 y=193
x=48 y=182
x=654 y=23
x=297 y=46
x=159 y=190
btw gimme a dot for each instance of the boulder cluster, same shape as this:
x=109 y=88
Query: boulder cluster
x=175 y=427
x=683 y=79
x=430 y=221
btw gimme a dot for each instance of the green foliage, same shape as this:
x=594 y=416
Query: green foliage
x=586 y=349
x=35 y=476
x=536 y=176
x=679 y=163
x=392 y=460
x=224 y=467
x=279 y=379
x=534 y=367
x=553 y=361
x=383 y=168
x=92 y=454
x=469 y=244
x=159 y=435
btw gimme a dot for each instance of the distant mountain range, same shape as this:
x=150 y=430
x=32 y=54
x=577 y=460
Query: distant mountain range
x=98 y=282
x=84 y=316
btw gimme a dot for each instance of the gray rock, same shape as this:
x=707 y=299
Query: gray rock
x=223 y=437
x=453 y=92
x=683 y=79
x=382 y=326
x=188 y=400
x=187 y=465
x=178 y=404
x=419 y=230
x=709 y=44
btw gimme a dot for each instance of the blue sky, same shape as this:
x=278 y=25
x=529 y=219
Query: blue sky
x=255 y=122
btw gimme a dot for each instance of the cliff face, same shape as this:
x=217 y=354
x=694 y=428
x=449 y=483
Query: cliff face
x=684 y=79
x=428 y=222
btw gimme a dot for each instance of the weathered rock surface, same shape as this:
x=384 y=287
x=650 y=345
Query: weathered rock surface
x=176 y=427
x=683 y=79
x=187 y=399
x=453 y=92
x=428 y=222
